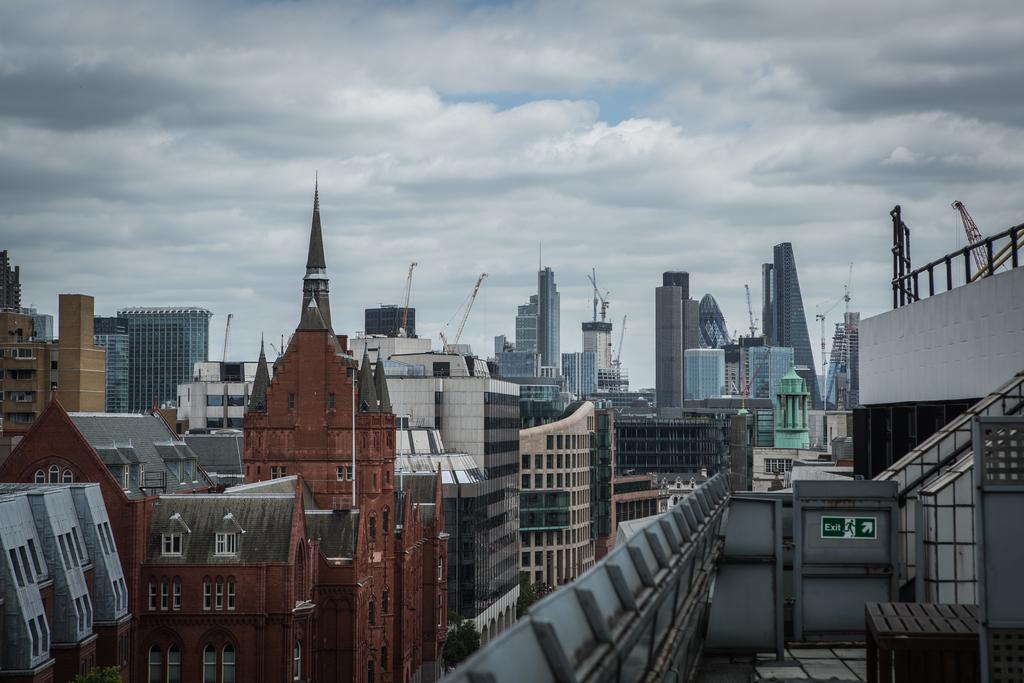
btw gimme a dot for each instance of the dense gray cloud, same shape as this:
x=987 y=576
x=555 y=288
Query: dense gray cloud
x=163 y=153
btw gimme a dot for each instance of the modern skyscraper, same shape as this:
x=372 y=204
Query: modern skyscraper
x=784 y=321
x=705 y=373
x=676 y=318
x=580 y=373
x=111 y=334
x=842 y=385
x=597 y=338
x=713 y=332
x=767 y=366
x=10 y=283
x=387 y=320
x=548 y=319
x=163 y=346
x=526 y=326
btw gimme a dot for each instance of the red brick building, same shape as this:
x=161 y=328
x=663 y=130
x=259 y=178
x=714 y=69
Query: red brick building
x=319 y=569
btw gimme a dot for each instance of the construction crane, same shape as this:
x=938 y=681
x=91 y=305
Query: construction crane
x=973 y=236
x=227 y=332
x=448 y=347
x=750 y=313
x=403 y=331
x=820 y=316
x=618 y=354
x=603 y=298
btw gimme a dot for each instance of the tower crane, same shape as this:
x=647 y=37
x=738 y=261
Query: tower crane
x=973 y=235
x=603 y=298
x=618 y=354
x=403 y=331
x=750 y=313
x=227 y=332
x=465 y=316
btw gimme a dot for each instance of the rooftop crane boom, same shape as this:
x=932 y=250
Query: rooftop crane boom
x=465 y=316
x=603 y=298
x=750 y=313
x=227 y=332
x=973 y=235
x=622 y=333
x=404 y=330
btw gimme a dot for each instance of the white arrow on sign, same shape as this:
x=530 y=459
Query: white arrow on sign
x=867 y=527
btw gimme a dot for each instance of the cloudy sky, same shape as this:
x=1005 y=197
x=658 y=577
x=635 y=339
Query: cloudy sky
x=164 y=153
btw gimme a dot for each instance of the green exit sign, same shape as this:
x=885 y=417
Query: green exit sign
x=849 y=527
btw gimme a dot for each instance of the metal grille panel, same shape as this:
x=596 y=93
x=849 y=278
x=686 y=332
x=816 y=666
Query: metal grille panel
x=1006 y=655
x=1004 y=445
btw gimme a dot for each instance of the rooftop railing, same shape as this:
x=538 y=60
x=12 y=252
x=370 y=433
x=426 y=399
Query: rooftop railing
x=641 y=609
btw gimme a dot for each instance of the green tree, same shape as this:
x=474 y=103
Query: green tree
x=463 y=639
x=109 y=675
x=529 y=593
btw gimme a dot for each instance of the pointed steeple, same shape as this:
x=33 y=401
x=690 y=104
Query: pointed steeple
x=367 y=394
x=381 y=386
x=258 y=398
x=315 y=284
x=312 y=318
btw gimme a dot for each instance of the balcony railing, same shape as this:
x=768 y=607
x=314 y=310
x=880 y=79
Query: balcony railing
x=641 y=609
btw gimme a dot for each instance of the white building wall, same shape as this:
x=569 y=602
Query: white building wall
x=960 y=344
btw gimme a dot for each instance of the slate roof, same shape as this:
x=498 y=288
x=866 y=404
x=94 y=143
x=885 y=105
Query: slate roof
x=337 y=530
x=129 y=438
x=220 y=455
x=265 y=518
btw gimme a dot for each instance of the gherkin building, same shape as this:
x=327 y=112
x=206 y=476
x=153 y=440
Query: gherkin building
x=713 y=332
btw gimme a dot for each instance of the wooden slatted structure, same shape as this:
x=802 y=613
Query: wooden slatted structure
x=912 y=641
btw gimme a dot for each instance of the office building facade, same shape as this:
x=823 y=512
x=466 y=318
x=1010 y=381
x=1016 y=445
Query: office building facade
x=556 y=528
x=387 y=321
x=164 y=344
x=111 y=334
x=713 y=332
x=784 y=321
x=579 y=373
x=548 y=319
x=687 y=444
x=676 y=318
x=705 y=373
x=217 y=396
x=767 y=365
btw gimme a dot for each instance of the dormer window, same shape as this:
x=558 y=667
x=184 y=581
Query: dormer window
x=227 y=543
x=171 y=544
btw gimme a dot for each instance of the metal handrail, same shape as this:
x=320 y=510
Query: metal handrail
x=641 y=609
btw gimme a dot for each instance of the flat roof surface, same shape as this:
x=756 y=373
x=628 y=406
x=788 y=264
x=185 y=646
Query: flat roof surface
x=804 y=662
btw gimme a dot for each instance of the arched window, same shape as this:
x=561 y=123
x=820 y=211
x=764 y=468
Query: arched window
x=373 y=528
x=67 y=476
x=219 y=595
x=209 y=664
x=152 y=594
x=207 y=593
x=176 y=593
x=384 y=522
x=164 y=592
x=384 y=657
x=40 y=477
x=384 y=602
x=228 y=665
x=297 y=661
x=372 y=613
x=155 y=665
x=369 y=671
x=54 y=477
x=173 y=664
x=231 y=592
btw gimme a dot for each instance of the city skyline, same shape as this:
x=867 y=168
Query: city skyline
x=698 y=153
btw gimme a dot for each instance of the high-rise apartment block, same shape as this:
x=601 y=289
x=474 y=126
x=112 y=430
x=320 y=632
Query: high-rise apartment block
x=548 y=319
x=111 y=334
x=164 y=344
x=34 y=370
x=705 y=373
x=10 y=284
x=783 y=320
x=676 y=318
x=387 y=321
x=579 y=372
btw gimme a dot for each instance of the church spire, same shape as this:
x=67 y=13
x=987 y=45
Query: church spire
x=258 y=398
x=315 y=284
x=381 y=386
x=367 y=395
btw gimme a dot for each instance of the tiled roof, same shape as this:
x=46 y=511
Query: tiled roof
x=266 y=520
x=219 y=454
x=122 y=438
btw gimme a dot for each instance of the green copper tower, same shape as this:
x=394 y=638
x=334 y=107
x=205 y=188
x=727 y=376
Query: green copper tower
x=791 y=412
